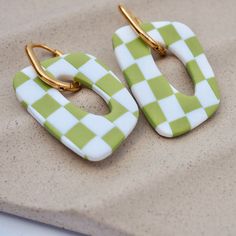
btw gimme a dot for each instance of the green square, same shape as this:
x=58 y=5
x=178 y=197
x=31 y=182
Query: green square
x=50 y=61
x=194 y=46
x=188 y=103
x=195 y=72
x=154 y=114
x=138 y=48
x=113 y=138
x=211 y=110
x=147 y=27
x=46 y=105
x=52 y=130
x=160 y=87
x=116 y=110
x=75 y=111
x=169 y=34
x=213 y=84
x=180 y=126
x=109 y=84
x=77 y=59
x=80 y=135
x=43 y=85
x=19 y=79
x=116 y=41
x=83 y=79
x=133 y=75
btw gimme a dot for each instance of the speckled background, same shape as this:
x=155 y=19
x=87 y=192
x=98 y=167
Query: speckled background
x=151 y=185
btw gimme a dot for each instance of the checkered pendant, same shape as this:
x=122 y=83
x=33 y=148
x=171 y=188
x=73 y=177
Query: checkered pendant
x=170 y=112
x=92 y=137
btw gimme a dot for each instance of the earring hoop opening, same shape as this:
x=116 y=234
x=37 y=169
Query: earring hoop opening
x=60 y=85
x=136 y=25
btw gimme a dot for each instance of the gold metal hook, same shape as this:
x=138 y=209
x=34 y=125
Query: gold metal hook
x=135 y=23
x=60 y=85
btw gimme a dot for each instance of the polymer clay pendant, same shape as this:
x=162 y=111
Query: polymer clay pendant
x=93 y=137
x=170 y=112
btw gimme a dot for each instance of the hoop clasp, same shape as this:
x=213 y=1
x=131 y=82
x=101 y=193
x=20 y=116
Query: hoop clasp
x=135 y=23
x=60 y=85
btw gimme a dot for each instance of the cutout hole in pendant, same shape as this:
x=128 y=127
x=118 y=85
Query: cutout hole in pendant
x=175 y=72
x=86 y=99
x=89 y=101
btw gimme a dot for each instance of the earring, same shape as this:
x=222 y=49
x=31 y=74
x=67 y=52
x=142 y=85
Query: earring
x=92 y=137
x=170 y=112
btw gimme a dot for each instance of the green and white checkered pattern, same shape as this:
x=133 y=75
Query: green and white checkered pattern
x=170 y=112
x=91 y=136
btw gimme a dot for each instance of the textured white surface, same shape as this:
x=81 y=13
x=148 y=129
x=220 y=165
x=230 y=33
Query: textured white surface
x=15 y=226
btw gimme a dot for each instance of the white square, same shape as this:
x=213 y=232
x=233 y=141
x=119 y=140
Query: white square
x=156 y=36
x=143 y=93
x=125 y=99
x=171 y=108
x=124 y=57
x=62 y=68
x=97 y=124
x=196 y=117
x=205 y=94
x=58 y=96
x=182 y=51
x=93 y=70
x=126 y=34
x=183 y=30
x=62 y=120
x=126 y=123
x=204 y=66
x=96 y=149
x=71 y=146
x=160 y=24
x=30 y=92
x=164 y=129
x=148 y=67
x=30 y=72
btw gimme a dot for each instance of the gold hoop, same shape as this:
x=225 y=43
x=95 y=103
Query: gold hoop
x=60 y=85
x=135 y=23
